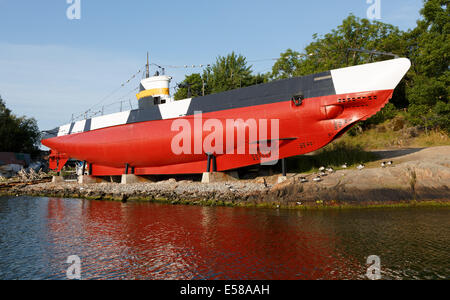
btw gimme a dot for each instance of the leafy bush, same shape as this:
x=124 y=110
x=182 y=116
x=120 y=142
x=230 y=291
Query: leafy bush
x=387 y=113
x=437 y=116
x=17 y=134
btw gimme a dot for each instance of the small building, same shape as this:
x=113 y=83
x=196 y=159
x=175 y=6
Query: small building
x=10 y=158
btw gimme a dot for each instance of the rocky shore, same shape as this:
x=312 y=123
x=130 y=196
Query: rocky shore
x=417 y=175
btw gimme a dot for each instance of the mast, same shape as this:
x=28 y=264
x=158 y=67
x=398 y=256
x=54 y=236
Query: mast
x=147 y=66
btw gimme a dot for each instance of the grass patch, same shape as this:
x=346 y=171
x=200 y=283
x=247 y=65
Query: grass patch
x=333 y=155
x=396 y=133
x=432 y=139
x=379 y=138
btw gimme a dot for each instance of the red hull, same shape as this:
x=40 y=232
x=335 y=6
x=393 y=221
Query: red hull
x=146 y=146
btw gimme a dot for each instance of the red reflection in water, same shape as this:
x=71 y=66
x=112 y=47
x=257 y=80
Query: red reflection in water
x=148 y=241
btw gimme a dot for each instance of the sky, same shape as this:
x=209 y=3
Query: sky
x=52 y=67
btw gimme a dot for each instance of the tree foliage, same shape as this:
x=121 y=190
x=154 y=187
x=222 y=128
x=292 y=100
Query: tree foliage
x=331 y=51
x=429 y=47
x=192 y=86
x=17 y=134
x=288 y=65
x=227 y=73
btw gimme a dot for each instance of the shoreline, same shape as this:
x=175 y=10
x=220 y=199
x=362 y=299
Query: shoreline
x=287 y=195
x=319 y=205
x=418 y=178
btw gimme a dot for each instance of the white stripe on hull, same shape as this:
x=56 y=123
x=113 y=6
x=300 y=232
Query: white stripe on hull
x=110 y=120
x=174 y=109
x=78 y=127
x=64 y=130
x=379 y=76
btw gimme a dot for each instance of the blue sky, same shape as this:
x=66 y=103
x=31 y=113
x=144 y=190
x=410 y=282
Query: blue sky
x=51 y=67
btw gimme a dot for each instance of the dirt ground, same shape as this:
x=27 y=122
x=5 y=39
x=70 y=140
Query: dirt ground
x=415 y=174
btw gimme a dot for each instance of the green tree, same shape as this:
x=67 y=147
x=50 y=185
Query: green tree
x=331 y=51
x=288 y=65
x=17 y=134
x=193 y=84
x=260 y=78
x=228 y=73
x=429 y=48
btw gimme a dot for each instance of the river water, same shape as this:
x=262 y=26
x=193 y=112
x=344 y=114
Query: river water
x=150 y=241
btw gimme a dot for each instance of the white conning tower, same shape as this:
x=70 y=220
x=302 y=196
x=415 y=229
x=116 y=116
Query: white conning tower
x=157 y=87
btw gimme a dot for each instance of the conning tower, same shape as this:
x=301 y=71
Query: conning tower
x=154 y=90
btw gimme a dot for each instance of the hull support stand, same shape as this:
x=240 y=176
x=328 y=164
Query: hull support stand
x=87 y=179
x=130 y=178
x=283 y=177
x=214 y=176
x=211 y=159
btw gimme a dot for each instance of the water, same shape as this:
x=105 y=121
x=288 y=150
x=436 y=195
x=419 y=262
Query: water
x=149 y=241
